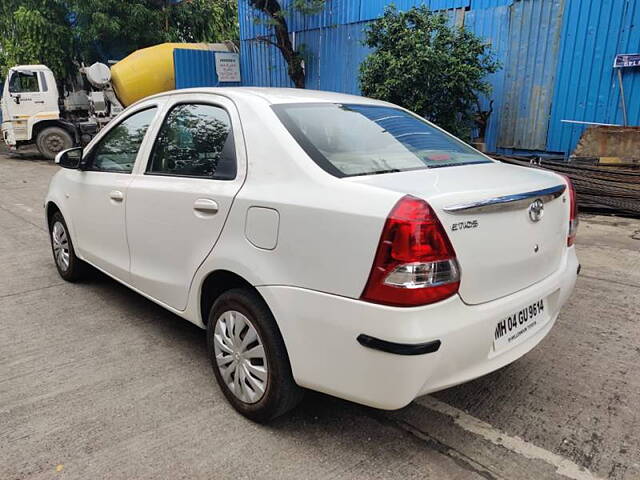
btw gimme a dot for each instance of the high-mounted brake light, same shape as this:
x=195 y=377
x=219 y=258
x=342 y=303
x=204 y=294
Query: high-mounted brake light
x=573 y=213
x=415 y=263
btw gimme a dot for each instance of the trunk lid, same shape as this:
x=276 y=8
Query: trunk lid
x=484 y=209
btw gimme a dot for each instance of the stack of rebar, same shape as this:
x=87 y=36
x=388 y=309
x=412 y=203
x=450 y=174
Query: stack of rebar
x=603 y=188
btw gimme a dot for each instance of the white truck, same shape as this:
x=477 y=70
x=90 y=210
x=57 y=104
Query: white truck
x=34 y=112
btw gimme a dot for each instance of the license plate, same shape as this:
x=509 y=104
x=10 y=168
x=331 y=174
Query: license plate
x=519 y=325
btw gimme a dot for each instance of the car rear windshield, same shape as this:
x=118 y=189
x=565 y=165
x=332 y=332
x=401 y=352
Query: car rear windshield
x=348 y=140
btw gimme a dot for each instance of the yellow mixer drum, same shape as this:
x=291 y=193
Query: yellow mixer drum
x=148 y=71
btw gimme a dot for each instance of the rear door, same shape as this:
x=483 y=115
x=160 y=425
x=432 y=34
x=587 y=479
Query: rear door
x=180 y=198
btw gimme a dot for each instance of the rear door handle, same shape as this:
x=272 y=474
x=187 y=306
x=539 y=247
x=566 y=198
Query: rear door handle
x=116 y=195
x=206 y=205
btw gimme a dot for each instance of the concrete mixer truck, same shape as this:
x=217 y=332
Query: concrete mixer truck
x=34 y=111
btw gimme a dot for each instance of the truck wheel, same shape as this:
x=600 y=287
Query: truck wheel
x=249 y=357
x=53 y=140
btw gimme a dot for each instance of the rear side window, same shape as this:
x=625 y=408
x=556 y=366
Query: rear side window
x=348 y=140
x=23 y=82
x=118 y=150
x=195 y=141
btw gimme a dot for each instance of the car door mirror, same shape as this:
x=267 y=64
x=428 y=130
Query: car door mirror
x=70 y=158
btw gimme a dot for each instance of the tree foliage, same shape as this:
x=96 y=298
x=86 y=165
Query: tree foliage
x=35 y=31
x=205 y=21
x=422 y=63
x=59 y=33
x=112 y=27
x=276 y=18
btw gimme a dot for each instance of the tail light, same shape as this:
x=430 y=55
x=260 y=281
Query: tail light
x=415 y=263
x=573 y=213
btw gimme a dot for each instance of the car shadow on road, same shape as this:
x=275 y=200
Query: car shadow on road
x=321 y=425
x=181 y=334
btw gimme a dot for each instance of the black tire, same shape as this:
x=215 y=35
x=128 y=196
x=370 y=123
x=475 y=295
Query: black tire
x=281 y=393
x=76 y=268
x=53 y=140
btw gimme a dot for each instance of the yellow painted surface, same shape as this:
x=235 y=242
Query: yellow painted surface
x=610 y=160
x=147 y=71
x=47 y=116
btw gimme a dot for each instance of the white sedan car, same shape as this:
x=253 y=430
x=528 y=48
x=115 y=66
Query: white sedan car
x=324 y=241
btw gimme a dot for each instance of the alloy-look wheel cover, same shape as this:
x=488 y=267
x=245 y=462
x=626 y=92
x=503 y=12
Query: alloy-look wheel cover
x=60 y=245
x=240 y=356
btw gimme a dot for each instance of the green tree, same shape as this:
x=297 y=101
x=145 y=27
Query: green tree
x=116 y=27
x=59 y=33
x=208 y=21
x=35 y=32
x=276 y=18
x=422 y=63
x=120 y=28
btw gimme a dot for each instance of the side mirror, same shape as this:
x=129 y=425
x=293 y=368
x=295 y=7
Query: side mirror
x=70 y=158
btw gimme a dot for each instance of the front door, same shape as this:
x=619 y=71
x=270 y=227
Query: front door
x=98 y=194
x=178 y=203
x=26 y=94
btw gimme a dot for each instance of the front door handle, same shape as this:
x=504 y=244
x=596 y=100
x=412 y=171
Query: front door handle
x=116 y=195
x=206 y=205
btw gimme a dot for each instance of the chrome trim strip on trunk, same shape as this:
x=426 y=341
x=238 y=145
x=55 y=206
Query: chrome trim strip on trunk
x=508 y=202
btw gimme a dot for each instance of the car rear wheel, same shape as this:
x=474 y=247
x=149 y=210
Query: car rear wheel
x=249 y=357
x=69 y=266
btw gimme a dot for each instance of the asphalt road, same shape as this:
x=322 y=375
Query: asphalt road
x=97 y=382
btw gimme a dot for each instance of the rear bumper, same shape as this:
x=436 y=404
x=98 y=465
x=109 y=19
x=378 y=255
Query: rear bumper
x=321 y=334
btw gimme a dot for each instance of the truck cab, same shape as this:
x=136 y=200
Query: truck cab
x=30 y=110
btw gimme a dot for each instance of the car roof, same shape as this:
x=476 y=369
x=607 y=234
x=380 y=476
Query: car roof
x=275 y=95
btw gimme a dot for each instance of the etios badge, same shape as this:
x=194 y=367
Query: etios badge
x=536 y=211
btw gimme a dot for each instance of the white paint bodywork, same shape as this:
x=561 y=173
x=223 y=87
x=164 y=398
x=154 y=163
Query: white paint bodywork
x=18 y=119
x=306 y=240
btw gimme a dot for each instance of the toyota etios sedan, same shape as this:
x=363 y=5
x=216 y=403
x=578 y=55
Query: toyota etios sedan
x=324 y=241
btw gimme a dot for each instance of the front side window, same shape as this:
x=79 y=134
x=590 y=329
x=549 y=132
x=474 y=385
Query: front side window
x=348 y=140
x=195 y=141
x=118 y=150
x=23 y=82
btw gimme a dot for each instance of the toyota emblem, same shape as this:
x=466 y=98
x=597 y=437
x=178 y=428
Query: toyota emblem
x=536 y=211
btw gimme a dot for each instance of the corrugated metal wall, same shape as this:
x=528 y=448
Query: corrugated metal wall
x=587 y=85
x=534 y=40
x=557 y=58
x=196 y=68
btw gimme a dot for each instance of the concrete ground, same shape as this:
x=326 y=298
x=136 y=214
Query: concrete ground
x=97 y=382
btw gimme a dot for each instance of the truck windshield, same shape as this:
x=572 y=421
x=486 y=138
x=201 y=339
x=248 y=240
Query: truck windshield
x=348 y=140
x=23 y=82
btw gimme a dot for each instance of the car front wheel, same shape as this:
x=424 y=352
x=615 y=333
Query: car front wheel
x=69 y=266
x=249 y=357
